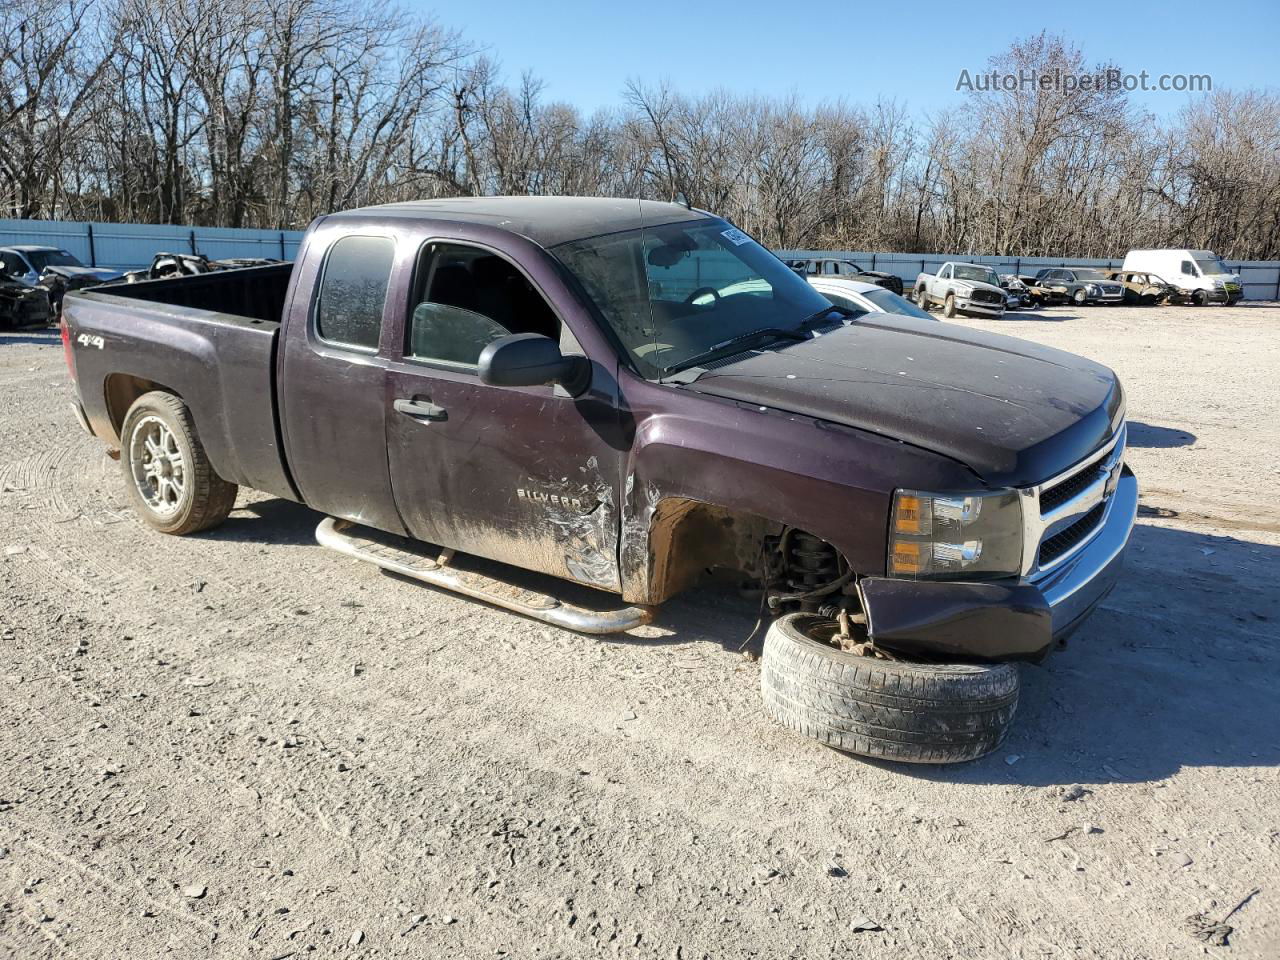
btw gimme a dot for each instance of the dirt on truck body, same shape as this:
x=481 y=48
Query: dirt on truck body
x=557 y=384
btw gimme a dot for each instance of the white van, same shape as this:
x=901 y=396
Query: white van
x=1200 y=272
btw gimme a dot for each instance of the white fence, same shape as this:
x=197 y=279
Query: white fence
x=126 y=246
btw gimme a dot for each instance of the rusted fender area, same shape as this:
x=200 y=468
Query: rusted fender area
x=768 y=466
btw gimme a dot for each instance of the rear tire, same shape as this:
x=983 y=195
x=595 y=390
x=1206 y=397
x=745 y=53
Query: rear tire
x=922 y=299
x=892 y=709
x=170 y=481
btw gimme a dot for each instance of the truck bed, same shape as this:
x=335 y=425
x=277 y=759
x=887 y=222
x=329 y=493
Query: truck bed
x=210 y=339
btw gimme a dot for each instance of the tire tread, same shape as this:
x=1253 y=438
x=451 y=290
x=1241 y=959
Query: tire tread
x=213 y=498
x=893 y=710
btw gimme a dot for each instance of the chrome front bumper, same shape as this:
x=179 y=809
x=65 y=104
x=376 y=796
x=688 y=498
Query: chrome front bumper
x=1075 y=587
x=1014 y=619
x=976 y=307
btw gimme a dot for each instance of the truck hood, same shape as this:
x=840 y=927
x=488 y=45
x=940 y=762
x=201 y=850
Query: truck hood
x=977 y=285
x=1014 y=412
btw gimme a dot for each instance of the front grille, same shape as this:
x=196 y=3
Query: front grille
x=1057 y=495
x=986 y=296
x=1064 y=540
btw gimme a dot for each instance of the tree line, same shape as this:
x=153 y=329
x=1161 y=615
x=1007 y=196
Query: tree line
x=267 y=113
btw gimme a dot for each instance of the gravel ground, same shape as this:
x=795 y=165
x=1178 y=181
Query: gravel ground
x=242 y=745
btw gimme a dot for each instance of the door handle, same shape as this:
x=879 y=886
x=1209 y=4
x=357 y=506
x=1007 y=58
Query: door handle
x=421 y=409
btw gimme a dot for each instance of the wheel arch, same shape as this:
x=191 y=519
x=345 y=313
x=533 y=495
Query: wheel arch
x=122 y=390
x=683 y=537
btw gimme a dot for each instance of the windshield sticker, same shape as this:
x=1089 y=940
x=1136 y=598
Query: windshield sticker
x=735 y=236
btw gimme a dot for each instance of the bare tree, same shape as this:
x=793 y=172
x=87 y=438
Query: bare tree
x=271 y=112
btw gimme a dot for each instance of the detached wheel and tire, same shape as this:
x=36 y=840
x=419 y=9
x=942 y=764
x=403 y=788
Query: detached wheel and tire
x=167 y=472
x=900 y=710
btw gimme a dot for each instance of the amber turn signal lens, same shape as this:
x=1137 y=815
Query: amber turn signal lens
x=906 y=558
x=907 y=515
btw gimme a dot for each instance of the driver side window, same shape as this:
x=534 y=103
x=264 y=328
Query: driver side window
x=1188 y=268
x=466 y=298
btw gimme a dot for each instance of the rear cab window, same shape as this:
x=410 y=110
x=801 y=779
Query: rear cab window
x=353 y=292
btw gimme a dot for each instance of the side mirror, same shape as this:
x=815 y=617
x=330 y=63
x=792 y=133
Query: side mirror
x=531 y=360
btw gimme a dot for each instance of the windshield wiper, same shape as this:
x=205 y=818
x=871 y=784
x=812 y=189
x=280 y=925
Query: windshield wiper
x=822 y=313
x=797 y=334
x=727 y=346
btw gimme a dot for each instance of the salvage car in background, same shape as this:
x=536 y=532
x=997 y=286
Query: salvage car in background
x=1201 y=274
x=1078 y=285
x=54 y=269
x=165 y=265
x=1143 y=289
x=961 y=288
x=22 y=305
x=646 y=425
x=1017 y=295
x=849 y=269
x=866 y=297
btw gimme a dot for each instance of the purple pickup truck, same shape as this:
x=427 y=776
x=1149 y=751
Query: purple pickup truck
x=635 y=396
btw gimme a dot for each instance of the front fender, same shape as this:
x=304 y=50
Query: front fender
x=832 y=481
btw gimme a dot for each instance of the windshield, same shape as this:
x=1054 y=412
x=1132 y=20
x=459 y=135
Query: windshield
x=676 y=291
x=1212 y=266
x=1090 y=276
x=980 y=274
x=890 y=302
x=43 y=259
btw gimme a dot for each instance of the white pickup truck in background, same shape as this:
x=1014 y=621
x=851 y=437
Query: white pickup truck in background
x=961 y=288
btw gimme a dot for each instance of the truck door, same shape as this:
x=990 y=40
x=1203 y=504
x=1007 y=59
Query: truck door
x=938 y=285
x=332 y=379
x=528 y=475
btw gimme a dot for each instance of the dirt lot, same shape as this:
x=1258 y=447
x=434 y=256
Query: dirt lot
x=241 y=745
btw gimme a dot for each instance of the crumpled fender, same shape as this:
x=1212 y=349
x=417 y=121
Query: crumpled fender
x=983 y=621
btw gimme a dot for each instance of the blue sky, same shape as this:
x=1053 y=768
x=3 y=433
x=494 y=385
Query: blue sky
x=913 y=53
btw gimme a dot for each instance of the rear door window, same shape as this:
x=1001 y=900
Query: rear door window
x=353 y=291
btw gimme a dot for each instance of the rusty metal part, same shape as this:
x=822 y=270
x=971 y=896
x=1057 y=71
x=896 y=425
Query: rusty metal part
x=334 y=534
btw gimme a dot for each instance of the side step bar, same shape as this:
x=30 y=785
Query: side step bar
x=338 y=535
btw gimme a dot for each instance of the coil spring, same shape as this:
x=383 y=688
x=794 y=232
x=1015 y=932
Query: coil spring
x=811 y=562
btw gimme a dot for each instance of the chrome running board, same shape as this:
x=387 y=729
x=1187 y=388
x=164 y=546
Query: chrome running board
x=333 y=534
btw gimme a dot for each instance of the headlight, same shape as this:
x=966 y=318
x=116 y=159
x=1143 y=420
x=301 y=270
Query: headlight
x=934 y=536
x=1217 y=284
x=1091 y=289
